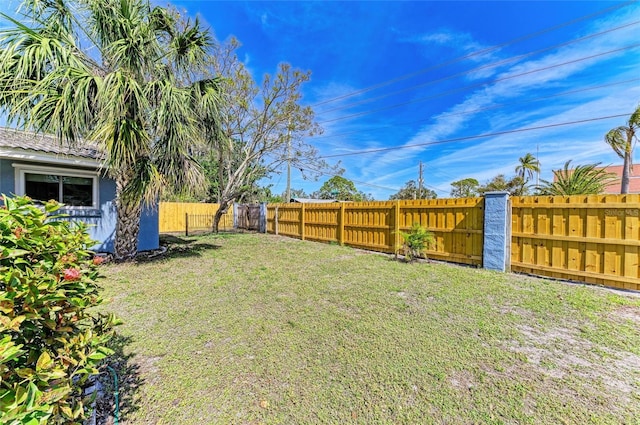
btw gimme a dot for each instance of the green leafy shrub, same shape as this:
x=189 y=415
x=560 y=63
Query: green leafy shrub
x=51 y=343
x=416 y=241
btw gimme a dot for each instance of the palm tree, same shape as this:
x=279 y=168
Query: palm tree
x=581 y=180
x=621 y=141
x=122 y=74
x=529 y=164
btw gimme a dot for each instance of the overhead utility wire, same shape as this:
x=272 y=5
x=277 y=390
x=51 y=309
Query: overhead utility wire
x=478 y=68
x=477 y=136
x=371 y=184
x=355 y=181
x=487 y=108
x=481 y=84
x=476 y=53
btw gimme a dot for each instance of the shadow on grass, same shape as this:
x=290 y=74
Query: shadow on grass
x=176 y=247
x=192 y=250
x=166 y=239
x=129 y=381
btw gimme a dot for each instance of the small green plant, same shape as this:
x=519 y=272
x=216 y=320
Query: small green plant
x=416 y=241
x=51 y=342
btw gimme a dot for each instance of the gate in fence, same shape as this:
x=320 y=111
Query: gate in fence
x=248 y=217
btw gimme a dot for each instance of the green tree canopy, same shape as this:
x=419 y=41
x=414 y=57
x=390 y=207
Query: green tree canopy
x=621 y=139
x=341 y=189
x=579 y=180
x=465 y=188
x=515 y=185
x=410 y=190
x=123 y=74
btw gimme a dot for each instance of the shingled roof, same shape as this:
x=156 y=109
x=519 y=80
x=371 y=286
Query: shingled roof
x=29 y=141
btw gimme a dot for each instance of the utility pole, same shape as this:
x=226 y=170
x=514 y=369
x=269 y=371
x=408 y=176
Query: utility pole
x=420 y=182
x=288 y=191
x=538 y=164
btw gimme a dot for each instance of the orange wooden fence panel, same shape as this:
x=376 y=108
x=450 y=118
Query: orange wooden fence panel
x=457 y=225
x=593 y=239
x=171 y=216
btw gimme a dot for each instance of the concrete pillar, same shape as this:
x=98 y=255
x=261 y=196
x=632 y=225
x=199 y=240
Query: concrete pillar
x=497 y=237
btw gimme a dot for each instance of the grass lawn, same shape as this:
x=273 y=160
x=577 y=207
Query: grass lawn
x=260 y=329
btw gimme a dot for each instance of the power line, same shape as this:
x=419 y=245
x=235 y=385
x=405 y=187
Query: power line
x=355 y=181
x=483 y=83
x=477 y=136
x=478 y=68
x=476 y=53
x=487 y=108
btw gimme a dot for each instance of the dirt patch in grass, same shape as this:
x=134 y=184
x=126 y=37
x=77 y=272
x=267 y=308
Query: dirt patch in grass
x=562 y=354
x=628 y=312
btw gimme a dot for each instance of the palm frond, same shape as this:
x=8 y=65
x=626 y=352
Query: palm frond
x=189 y=47
x=176 y=134
x=582 y=180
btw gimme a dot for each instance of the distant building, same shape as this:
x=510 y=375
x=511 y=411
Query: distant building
x=634 y=179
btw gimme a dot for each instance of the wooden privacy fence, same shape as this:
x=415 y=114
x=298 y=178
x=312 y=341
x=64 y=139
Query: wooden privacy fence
x=187 y=217
x=592 y=239
x=457 y=225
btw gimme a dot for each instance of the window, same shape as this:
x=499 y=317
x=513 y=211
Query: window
x=72 y=188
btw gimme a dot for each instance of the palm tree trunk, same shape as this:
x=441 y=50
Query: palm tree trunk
x=624 y=187
x=128 y=224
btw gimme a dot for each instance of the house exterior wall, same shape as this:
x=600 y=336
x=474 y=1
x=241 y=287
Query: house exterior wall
x=102 y=221
x=615 y=186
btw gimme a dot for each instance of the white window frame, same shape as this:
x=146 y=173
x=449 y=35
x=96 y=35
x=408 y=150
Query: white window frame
x=22 y=169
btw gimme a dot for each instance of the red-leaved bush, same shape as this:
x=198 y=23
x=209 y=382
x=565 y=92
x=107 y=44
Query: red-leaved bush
x=52 y=340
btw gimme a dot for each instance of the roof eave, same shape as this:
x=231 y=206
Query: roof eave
x=49 y=158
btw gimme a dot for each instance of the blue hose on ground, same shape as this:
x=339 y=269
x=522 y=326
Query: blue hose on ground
x=116 y=412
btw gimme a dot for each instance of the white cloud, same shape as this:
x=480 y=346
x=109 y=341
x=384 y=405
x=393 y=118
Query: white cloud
x=479 y=159
x=449 y=38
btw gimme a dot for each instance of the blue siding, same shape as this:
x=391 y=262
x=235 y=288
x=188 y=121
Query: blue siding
x=102 y=221
x=7 y=177
x=149 y=237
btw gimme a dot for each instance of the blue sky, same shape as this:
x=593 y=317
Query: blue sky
x=427 y=94
x=350 y=46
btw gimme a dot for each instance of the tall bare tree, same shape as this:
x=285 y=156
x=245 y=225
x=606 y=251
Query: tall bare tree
x=262 y=127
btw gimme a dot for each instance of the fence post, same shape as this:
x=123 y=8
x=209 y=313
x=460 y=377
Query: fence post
x=276 y=221
x=496 y=235
x=186 y=224
x=262 y=225
x=302 y=222
x=396 y=226
x=341 y=224
x=235 y=215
